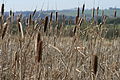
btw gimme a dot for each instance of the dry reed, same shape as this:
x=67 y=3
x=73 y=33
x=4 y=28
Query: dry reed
x=4 y=30
x=21 y=29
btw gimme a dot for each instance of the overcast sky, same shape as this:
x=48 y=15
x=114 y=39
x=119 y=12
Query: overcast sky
x=21 y=5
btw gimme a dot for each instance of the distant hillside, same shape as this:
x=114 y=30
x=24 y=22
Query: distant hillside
x=70 y=12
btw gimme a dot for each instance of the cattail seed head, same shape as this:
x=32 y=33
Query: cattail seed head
x=46 y=23
x=51 y=16
x=77 y=18
x=97 y=11
x=10 y=13
x=83 y=9
x=93 y=12
x=2 y=9
x=78 y=12
x=30 y=20
x=63 y=19
x=115 y=13
x=38 y=48
x=95 y=64
x=56 y=16
x=34 y=13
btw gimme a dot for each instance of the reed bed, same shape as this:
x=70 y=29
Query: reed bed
x=36 y=52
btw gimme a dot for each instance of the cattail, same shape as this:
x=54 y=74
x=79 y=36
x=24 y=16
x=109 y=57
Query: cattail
x=4 y=30
x=51 y=16
x=30 y=20
x=115 y=13
x=95 y=64
x=2 y=9
x=97 y=11
x=46 y=23
x=56 y=16
x=34 y=13
x=13 y=14
x=20 y=29
x=83 y=9
x=75 y=29
x=93 y=12
x=77 y=18
x=10 y=13
x=78 y=12
x=38 y=48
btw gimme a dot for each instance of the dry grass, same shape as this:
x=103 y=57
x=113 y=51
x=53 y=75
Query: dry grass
x=58 y=57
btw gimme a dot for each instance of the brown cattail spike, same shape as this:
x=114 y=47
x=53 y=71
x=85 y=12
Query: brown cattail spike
x=2 y=9
x=30 y=19
x=34 y=13
x=56 y=16
x=83 y=9
x=115 y=13
x=38 y=47
x=77 y=18
x=97 y=12
x=51 y=16
x=93 y=13
x=78 y=12
x=46 y=23
x=95 y=64
x=63 y=19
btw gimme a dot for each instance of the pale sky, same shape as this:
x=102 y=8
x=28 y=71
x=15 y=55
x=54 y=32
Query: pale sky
x=21 y=5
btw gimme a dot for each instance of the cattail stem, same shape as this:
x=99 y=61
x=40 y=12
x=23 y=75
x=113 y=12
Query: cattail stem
x=4 y=30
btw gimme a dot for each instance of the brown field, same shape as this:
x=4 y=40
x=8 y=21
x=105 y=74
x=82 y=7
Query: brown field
x=41 y=52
